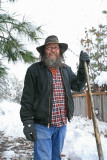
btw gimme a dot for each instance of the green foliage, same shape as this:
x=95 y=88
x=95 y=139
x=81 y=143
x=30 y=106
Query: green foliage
x=2 y=70
x=10 y=46
x=27 y=56
x=12 y=34
x=95 y=43
x=105 y=12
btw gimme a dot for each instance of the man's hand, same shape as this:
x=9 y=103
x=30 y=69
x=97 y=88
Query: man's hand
x=29 y=130
x=84 y=57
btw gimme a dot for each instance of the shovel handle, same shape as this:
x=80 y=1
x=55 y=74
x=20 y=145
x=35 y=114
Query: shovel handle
x=97 y=135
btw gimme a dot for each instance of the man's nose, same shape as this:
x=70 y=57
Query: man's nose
x=53 y=49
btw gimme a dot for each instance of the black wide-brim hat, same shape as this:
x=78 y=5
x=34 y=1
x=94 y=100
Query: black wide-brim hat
x=52 y=39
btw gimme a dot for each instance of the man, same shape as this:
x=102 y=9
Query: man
x=47 y=101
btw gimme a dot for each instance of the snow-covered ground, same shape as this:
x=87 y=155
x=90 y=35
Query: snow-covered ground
x=79 y=144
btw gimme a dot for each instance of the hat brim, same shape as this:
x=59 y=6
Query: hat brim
x=63 y=47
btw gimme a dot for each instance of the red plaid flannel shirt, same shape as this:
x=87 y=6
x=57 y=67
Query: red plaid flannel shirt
x=59 y=117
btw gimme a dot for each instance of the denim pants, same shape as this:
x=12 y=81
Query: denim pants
x=49 y=142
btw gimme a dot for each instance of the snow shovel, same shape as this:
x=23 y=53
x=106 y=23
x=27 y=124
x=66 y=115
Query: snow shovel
x=97 y=136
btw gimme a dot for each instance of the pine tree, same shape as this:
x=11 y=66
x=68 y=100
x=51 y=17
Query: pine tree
x=11 y=31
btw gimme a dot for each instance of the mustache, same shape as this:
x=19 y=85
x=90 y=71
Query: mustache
x=53 y=53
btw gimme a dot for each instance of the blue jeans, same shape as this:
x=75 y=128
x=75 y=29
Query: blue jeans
x=49 y=143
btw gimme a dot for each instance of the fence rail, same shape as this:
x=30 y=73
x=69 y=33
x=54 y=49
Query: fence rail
x=82 y=105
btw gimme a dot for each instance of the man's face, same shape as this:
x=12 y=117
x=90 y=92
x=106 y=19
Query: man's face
x=52 y=51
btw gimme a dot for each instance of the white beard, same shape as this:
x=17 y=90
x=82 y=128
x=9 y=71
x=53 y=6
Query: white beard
x=53 y=63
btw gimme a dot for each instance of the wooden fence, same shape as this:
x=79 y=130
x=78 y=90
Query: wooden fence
x=82 y=105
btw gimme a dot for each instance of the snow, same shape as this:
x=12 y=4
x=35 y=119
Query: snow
x=80 y=140
x=8 y=154
x=101 y=79
x=80 y=143
x=10 y=120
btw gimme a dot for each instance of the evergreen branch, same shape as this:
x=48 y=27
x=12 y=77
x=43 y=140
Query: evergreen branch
x=27 y=56
x=10 y=46
x=2 y=69
x=15 y=51
x=11 y=0
x=23 y=28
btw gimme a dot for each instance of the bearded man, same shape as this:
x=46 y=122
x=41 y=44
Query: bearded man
x=47 y=102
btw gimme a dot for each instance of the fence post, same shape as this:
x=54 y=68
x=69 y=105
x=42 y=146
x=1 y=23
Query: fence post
x=88 y=105
x=102 y=112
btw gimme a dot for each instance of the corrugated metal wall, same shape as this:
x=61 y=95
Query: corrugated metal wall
x=100 y=105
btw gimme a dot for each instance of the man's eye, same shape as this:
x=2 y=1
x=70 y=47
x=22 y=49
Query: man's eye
x=49 y=48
